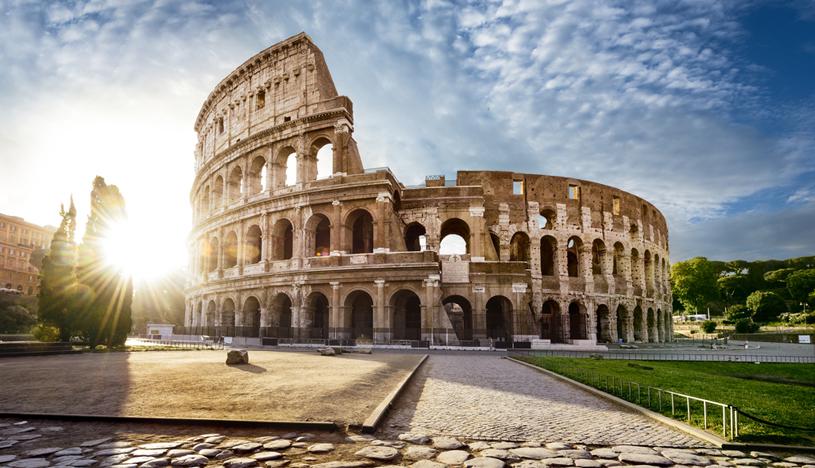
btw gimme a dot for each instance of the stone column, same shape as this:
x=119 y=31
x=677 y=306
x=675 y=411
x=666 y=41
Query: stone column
x=585 y=267
x=430 y=321
x=187 y=314
x=240 y=249
x=477 y=234
x=335 y=318
x=336 y=228
x=629 y=327
x=380 y=240
x=479 y=314
x=612 y=325
x=381 y=323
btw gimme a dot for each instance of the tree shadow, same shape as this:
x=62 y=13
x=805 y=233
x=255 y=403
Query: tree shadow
x=248 y=368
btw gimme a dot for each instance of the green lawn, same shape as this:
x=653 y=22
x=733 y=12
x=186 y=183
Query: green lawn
x=780 y=393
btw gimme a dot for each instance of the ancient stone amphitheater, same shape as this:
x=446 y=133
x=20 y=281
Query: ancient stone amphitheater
x=294 y=240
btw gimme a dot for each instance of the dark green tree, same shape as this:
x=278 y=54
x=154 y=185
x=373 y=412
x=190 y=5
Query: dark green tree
x=58 y=278
x=738 y=311
x=766 y=306
x=694 y=283
x=107 y=317
x=800 y=284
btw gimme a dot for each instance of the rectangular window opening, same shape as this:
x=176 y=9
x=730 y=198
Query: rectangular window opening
x=615 y=206
x=574 y=192
x=518 y=187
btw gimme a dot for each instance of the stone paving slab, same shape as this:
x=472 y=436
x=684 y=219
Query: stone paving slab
x=486 y=397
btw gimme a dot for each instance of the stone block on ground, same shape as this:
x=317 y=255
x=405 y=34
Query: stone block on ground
x=237 y=356
x=378 y=453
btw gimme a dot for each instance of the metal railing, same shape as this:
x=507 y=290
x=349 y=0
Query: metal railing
x=669 y=355
x=205 y=342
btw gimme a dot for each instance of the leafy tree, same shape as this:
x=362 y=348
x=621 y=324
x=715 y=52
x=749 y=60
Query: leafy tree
x=746 y=325
x=738 y=311
x=107 y=317
x=800 y=284
x=766 y=306
x=778 y=277
x=58 y=279
x=708 y=326
x=14 y=316
x=695 y=283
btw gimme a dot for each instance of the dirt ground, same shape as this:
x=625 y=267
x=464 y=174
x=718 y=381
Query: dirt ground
x=281 y=386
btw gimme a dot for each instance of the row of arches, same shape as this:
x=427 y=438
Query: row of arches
x=259 y=175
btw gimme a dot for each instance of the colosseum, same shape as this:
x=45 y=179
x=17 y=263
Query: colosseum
x=295 y=241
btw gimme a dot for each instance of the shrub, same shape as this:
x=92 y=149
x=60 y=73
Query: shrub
x=738 y=311
x=766 y=306
x=746 y=325
x=810 y=318
x=708 y=326
x=45 y=333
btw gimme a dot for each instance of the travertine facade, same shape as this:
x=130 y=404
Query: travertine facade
x=293 y=238
x=18 y=240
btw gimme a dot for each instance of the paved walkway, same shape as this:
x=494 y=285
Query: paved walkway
x=486 y=397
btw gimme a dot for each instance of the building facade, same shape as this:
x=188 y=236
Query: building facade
x=294 y=239
x=18 y=240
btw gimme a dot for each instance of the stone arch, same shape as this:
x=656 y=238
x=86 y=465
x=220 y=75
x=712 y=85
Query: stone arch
x=286 y=167
x=316 y=316
x=460 y=312
x=228 y=313
x=573 y=246
x=231 y=250
x=318 y=236
x=211 y=314
x=603 y=318
x=651 y=322
x=323 y=150
x=648 y=266
x=622 y=323
x=234 y=189
x=660 y=326
x=519 y=247
x=359 y=314
x=359 y=228
x=551 y=324
x=218 y=192
x=257 y=175
x=212 y=254
x=415 y=237
x=253 y=246
x=636 y=271
x=617 y=264
x=280 y=315
x=547 y=219
x=495 y=242
x=454 y=227
x=205 y=206
x=499 y=318
x=251 y=316
x=282 y=239
x=406 y=315
x=578 y=321
x=639 y=326
x=549 y=256
x=598 y=257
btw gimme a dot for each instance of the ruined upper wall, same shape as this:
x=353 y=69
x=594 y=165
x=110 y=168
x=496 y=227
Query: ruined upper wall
x=288 y=81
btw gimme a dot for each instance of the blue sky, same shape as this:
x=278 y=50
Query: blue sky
x=705 y=108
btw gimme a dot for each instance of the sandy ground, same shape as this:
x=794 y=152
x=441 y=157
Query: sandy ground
x=275 y=386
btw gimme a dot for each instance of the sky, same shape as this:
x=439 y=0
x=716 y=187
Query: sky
x=704 y=108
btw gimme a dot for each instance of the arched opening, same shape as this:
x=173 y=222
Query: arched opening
x=455 y=237
x=251 y=317
x=547 y=218
x=290 y=167
x=280 y=317
x=519 y=247
x=318 y=241
x=316 y=315
x=603 y=324
x=577 y=321
x=622 y=323
x=257 y=175
x=228 y=316
x=617 y=266
x=598 y=257
x=649 y=270
x=550 y=322
x=218 y=192
x=260 y=100
x=212 y=254
x=205 y=206
x=359 y=309
x=573 y=256
x=231 y=250
x=360 y=224
x=235 y=186
x=651 y=321
x=253 y=245
x=209 y=319
x=636 y=272
x=499 y=319
x=660 y=326
x=406 y=322
x=638 y=324
x=324 y=152
x=460 y=313
x=282 y=239
x=415 y=238
x=548 y=255
x=495 y=255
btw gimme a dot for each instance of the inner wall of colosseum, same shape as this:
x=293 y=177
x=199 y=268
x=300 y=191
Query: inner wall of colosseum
x=295 y=241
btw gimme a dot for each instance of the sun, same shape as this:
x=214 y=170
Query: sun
x=138 y=252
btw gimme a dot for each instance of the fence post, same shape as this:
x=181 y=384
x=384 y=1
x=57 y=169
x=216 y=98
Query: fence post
x=688 y=398
x=724 y=422
x=672 y=404
x=704 y=413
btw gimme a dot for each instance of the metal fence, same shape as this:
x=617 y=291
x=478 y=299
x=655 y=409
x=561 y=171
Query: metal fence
x=204 y=343
x=669 y=355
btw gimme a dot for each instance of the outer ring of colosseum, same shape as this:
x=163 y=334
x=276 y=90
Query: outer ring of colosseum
x=294 y=241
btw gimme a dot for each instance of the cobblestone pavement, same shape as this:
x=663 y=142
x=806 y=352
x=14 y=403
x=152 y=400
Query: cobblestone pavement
x=39 y=444
x=486 y=397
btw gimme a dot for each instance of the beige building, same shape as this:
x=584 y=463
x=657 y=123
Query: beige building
x=295 y=239
x=18 y=240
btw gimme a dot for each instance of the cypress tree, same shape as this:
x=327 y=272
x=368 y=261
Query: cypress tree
x=58 y=278
x=106 y=319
